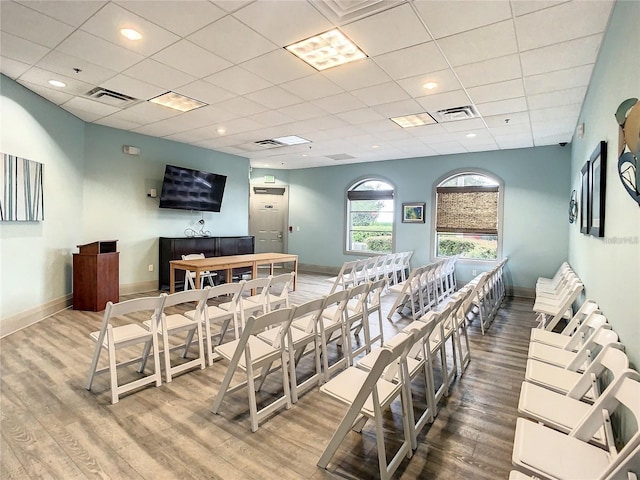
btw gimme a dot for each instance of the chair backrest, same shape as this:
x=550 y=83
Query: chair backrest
x=375 y=292
x=224 y=289
x=359 y=293
x=399 y=351
x=127 y=307
x=311 y=309
x=283 y=284
x=600 y=338
x=260 y=285
x=421 y=331
x=628 y=469
x=345 y=276
x=193 y=256
x=199 y=296
x=611 y=359
x=339 y=299
x=587 y=308
x=280 y=319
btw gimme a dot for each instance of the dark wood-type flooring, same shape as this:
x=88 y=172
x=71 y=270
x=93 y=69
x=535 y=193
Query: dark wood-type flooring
x=52 y=427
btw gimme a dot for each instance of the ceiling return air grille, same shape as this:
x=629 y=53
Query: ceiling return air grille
x=110 y=97
x=269 y=143
x=455 y=114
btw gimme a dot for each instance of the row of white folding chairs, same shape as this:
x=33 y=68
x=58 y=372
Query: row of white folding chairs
x=425 y=287
x=392 y=266
x=555 y=296
x=309 y=329
x=391 y=370
x=489 y=292
x=146 y=321
x=575 y=381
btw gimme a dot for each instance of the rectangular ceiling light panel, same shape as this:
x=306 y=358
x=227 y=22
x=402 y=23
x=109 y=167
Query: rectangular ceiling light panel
x=177 y=102
x=416 y=120
x=291 y=140
x=326 y=50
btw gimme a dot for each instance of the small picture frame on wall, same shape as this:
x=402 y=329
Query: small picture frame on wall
x=413 y=212
x=584 y=199
x=597 y=189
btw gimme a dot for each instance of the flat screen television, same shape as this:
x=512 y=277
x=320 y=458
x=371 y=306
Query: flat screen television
x=187 y=189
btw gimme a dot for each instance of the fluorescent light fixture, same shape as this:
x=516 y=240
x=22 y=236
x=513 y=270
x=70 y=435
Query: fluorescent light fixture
x=57 y=83
x=430 y=85
x=415 y=120
x=130 y=33
x=326 y=50
x=177 y=101
x=291 y=140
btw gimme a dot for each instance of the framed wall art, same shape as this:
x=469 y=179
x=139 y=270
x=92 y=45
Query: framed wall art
x=21 y=190
x=584 y=199
x=413 y=212
x=597 y=189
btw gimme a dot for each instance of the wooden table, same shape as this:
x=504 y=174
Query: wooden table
x=230 y=262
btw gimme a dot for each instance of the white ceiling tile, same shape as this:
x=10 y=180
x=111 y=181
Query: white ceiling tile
x=407 y=28
x=398 y=109
x=30 y=25
x=490 y=71
x=145 y=113
x=497 y=91
x=552 y=139
x=339 y=103
x=271 y=117
x=82 y=114
x=209 y=114
x=21 y=50
x=241 y=106
x=181 y=17
x=558 y=24
x=158 y=129
x=117 y=123
x=64 y=64
x=511 y=119
x=513 y=129
x=283 y=22
x=322 y=123
x=482 y=147
x=205 y=92
x=181 y=55
x=445 y=79
x=480 y=44
x=412 y=61
x=159 y=74
x=439 y=101
x=238 y=81
x=502 y=106
x=108 y=22
x=427 y=132
x=510 y=143
x=87 y=105
x=378 y=94
x=448 y=18
x=361 y=115
x=522 y=7
x=312 y=87
x=378 y=126
x=54 y=95
x=303 y=111
x=12 y=68
x=551 y=114
x=560 y=97
x=41 y=77
x=93 y=49
x=232 y=40
x=447 y=148
x=132 y=87
x=279 y=66
x=358 y=74
x=559 y=80
x=463 y=125
x=72 y=13
x=231 y=5
x=572 y=53
x=274 y=97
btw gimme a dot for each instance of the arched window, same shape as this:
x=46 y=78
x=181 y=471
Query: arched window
x=370 y=216
x=468 y=212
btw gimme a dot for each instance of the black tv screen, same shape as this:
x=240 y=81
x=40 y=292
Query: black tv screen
x=187 y=189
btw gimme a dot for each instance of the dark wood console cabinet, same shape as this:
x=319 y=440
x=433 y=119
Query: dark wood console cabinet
x=174 y=248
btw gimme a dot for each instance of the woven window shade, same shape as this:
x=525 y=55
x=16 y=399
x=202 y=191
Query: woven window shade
x=467 y=210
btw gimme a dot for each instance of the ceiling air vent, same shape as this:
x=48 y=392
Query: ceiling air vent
x=454 y=114
x=110 y=97
x=269 y=143
x=340 y=156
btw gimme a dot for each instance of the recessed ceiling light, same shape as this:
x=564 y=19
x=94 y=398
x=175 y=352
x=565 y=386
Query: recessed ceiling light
x=131 y=34
x=304 y=155
x=57 y=83
x=326 y=50
x=430 y=85
x=375 y=146
x=221 y=131
x=416 y=120
x=291 y=140
x=471 y=135
x=177 y=101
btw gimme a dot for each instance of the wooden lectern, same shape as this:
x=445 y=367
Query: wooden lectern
x=96 y=276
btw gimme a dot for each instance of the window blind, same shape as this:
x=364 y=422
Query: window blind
x=467 y=210
x=370 y=194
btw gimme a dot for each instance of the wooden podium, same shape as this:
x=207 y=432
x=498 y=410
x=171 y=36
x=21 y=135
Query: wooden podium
x=96 y=276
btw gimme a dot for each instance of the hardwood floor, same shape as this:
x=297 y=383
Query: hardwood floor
x=51 y=427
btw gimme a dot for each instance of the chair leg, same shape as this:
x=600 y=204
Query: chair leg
x=253 y=407
x=113 y=374
x=94 y=365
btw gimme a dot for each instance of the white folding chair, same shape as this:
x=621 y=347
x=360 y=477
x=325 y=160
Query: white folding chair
x=173 y=324
x=368 y=394
x=442 y=336
x=374 y=306
x=344 y=278
x=550 y=310
x=278 y=295
x=355 y=319
x=576 y=326
x=249 y=353
x=113 y=336
x=332 y=321
x=190 y=276
x=251 y=301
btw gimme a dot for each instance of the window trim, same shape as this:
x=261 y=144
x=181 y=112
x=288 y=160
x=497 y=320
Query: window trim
x=347 y=199
x=434 y=208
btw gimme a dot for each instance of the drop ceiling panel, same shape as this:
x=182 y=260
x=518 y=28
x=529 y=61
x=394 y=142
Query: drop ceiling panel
x=241 y=106
x=559 y=80
x=205 y=92
x=238 y=81
x=361 y=115
x=312 y=87
x=439 y=101
x=342 y=102
x=358 y=74
x=59 y=10
x=397 y=109
x=274 y=98
x=490 y=71
x=502 y=106
x=86 y=105
x=448 y=18
x=64 y=64
x=480 y=44
x=41 y=77
x=159 y=74
x=12 y=68
x=180 y=55
x=573 y=53
x=497 y=91
x=560 y=97
x=407 y=28
x=379 y=94
x=522 y=7
x=93 y=49
x=445 y=79
x=181 y=17
x=278 y=66
x=132 y=87
x=145 y=113
x=20 y=49
x=303 y=111
x=51 y=94
x=30 y=25
x=412 y=61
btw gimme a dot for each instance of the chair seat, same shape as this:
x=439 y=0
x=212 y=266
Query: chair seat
x=549 y=338
x=175 y=322
x=555 y=454
x=297 y=335
x=124 y=334
x=260 y=351
x=347 y=384
x=552 y=377
x=366 y=363
x=553 y=409
x=552 y=355
x=303 y=323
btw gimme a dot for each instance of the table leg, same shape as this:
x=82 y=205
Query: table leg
x=172 y=279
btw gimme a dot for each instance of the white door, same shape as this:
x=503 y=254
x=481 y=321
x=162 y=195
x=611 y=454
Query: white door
x=268 y=218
